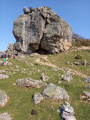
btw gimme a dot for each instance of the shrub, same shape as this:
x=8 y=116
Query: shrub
x=79 y=43
x=78 y=57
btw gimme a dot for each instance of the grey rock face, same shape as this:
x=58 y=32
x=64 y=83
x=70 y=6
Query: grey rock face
x=3 y=98
x=55 y=92
x=67 y=112
x=5 y=116
x=28 y=82
x=37 y=98
x=42 y=28
x=2 y=76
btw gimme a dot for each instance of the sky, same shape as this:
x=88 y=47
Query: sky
x=75 y=12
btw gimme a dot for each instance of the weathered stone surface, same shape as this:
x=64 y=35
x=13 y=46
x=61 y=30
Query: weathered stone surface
x=55 y=92
x=67 y=112
x=2 y=76
x=42 y=28
x=5 y=116
x=37 y=98
x=28 y=82
x=3 y=98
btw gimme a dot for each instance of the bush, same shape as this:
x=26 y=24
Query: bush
x=79 y=43
x=78 y=57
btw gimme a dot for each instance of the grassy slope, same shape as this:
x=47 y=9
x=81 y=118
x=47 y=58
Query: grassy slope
x=21 y=104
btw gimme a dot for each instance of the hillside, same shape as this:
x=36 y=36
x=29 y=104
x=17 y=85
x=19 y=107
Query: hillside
x=21 y=103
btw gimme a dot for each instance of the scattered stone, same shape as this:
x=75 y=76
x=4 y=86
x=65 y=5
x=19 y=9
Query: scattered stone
x=37 y=98
x=2 y=71
x=67 y=63
x=28 y=82
x=44 y=77
x=3 y=76
x=76 y=63
x=7 y=63
x=55 y=69
x=59 y=82
x=88 y=87
x=87 y=80
x=33 y=112
x=67 y=77
x=14 y=84
x=55 y=92
x=3 y=98
x=67 y=112
x=84 y=63
x=5 y=116
x=85 y=96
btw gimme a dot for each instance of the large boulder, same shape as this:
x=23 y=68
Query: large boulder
x=41 y=29
x=28 y=82
x=55 y=92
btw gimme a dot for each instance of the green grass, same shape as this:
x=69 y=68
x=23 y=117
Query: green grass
x=20 y=103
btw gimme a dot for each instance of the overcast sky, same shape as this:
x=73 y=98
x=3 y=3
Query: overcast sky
x=75 y=12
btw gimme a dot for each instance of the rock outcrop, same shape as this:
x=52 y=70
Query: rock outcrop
x=41 y=29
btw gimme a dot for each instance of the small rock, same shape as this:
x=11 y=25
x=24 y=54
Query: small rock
x=33 y=112
x=3 y=76
x=84 y=62
x=86 y=96
x=5 y=116
x=44 y=77
x=2 y=71
x=76 y=63
x=87 y=80
x=37 y=98
x=55 y=69
x=59 y=82
x=3 y=98
x=88 y=87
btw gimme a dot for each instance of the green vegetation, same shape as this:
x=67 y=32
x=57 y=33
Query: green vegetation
x=79 y=43
x=21 y=103
x=78 y=57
